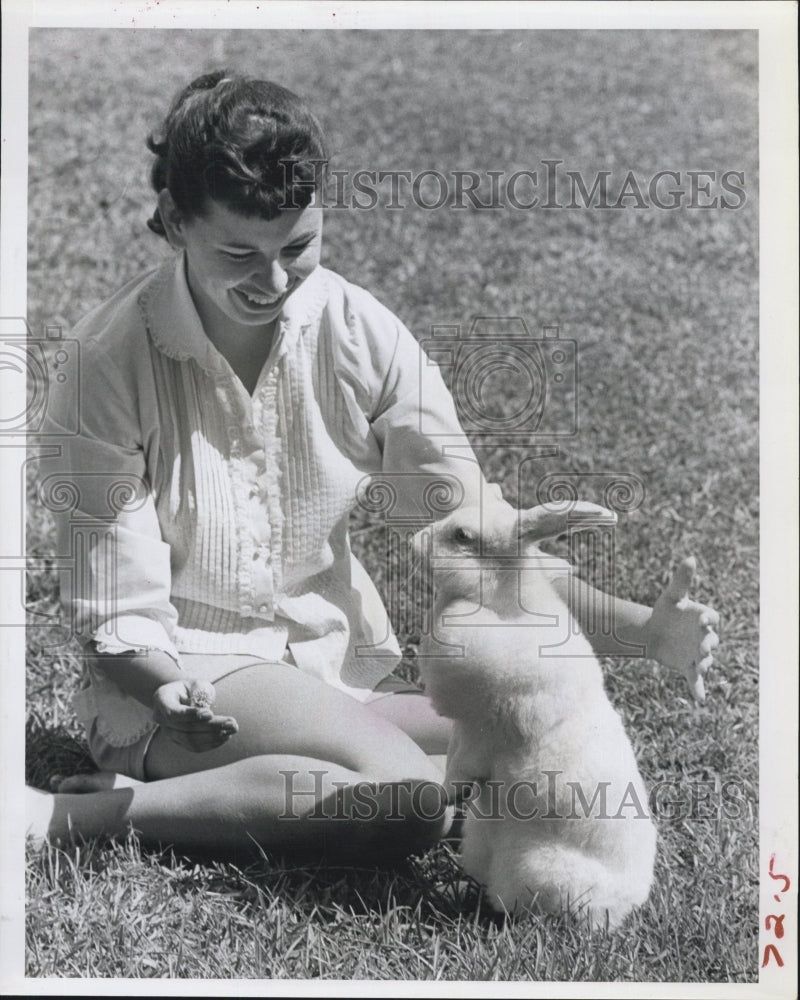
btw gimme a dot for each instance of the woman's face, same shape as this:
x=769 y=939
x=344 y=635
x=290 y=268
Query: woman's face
x=243 y=268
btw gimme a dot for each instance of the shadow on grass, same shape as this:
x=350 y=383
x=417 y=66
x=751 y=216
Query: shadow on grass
x=430 y=884
x=51 y=750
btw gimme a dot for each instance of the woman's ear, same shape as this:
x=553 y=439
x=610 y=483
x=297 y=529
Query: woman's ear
x=171 y=219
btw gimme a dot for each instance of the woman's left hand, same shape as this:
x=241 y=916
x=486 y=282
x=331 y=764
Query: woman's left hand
x=182 y=709
x=680 y=632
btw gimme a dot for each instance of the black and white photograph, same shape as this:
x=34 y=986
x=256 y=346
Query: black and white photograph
x=399 y=443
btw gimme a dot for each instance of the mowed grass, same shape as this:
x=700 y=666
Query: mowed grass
x=663 y=305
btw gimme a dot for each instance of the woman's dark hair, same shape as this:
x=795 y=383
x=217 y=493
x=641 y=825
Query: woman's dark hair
x=250 y=144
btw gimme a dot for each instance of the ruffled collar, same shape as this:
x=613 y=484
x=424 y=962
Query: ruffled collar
x=175 y=327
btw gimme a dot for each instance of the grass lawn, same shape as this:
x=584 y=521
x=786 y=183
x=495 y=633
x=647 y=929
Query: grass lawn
x=663 y=305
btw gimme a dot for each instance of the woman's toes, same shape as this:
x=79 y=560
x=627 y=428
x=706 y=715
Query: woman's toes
x=100 y=781
x=74 y=783
x=704 y=664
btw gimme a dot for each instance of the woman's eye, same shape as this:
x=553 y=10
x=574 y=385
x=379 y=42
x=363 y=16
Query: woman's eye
x=235 y=256
x=462 y=535
x=296 y=250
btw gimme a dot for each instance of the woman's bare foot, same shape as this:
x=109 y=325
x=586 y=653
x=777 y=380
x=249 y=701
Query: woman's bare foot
x=39 y=808
x=100 y=781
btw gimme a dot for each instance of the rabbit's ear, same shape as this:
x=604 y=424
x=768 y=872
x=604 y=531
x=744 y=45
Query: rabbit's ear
x=538 y=523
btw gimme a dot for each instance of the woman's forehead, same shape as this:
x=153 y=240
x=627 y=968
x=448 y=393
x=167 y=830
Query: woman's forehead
x=222 y=225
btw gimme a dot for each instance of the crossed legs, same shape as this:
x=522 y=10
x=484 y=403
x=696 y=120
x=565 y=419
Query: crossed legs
x=310 y=769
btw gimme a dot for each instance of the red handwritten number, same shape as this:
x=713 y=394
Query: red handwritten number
x=778 y=922
x=777 y=876
x=770 y=948
x=773 y=922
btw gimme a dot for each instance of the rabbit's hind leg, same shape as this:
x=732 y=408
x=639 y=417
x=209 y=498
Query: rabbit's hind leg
x=476 y=845
x=553 y=879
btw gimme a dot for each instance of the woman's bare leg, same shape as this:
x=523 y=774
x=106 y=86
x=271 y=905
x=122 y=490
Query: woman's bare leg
x=414 y=714
x=296 y=775
x=278 y=802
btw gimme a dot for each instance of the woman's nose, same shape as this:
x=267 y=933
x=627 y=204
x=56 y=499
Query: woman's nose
x=272 y=278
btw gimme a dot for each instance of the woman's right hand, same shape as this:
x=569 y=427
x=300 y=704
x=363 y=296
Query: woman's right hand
x=192 y=726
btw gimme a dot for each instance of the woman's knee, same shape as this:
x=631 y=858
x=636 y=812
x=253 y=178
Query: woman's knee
x=349 y=815
x=388 y=819
x=424 y=811
x=382 y=822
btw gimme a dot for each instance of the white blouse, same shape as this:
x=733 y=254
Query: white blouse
x=198 y=518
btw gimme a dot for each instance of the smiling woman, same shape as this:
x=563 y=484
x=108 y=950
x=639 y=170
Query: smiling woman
x=663 y=309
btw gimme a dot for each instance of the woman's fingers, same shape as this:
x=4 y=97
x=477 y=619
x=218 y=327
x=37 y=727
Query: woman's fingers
x=186 y=717
x=189 y=722
x=699 y=689
x=696 y=675
x=199 y=742
x=184 y=705
x=203 y=733
x=703 y=665
x=679 y=586
x=711 y=641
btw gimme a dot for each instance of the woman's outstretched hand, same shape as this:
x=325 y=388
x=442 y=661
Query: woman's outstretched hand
x=183 y=710
x=680 y=632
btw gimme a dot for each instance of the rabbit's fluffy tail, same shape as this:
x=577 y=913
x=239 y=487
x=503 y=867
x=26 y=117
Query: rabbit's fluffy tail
x=555 y=878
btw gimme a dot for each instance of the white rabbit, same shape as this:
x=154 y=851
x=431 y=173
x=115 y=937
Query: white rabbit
x=534 y=729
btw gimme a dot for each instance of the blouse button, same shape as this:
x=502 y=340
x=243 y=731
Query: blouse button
x=263 y=609
x=247 y=609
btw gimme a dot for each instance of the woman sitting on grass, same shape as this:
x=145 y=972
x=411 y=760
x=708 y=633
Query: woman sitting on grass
x=232 y=402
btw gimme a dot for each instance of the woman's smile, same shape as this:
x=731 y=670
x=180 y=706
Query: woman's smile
x=259 y=301
x=242 y=269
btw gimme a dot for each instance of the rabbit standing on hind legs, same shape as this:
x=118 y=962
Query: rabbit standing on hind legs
x=560 y=818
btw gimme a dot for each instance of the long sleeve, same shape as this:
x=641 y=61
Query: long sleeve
x=115 y=589
x=421 y=437
x=401 y=408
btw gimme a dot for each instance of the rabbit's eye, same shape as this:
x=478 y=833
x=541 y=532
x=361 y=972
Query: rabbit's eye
x=462 y=535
